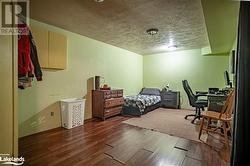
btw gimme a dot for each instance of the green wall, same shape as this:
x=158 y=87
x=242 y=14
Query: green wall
x=86 y=58
x=121 y=69
x=201 y=71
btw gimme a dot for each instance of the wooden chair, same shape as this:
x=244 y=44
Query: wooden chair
x=224 y=116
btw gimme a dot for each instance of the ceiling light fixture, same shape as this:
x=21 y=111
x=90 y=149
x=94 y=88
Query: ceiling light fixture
x=172 y=47
x=99 y=1
x=152 y=31
x=168 y=47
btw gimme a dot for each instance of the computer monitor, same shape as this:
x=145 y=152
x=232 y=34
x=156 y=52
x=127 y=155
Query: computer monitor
x=227 y=80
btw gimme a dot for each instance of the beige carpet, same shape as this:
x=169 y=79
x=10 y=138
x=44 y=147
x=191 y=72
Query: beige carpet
x=169 y=121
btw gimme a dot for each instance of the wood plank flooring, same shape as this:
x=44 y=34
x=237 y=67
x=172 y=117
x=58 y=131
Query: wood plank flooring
x=111 y=142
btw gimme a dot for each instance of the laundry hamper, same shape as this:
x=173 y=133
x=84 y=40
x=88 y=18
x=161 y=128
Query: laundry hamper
x=72 y=112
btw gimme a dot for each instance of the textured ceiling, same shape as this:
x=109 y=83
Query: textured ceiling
x=123 y=23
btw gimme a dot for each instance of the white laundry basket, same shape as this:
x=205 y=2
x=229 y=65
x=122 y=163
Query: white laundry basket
x=72 y=112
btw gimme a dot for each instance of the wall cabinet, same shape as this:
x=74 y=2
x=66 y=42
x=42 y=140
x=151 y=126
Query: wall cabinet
x=51 y=48
x=57 y=51
x=41 y=37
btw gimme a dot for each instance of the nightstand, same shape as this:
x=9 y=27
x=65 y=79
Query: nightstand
x=170 y=99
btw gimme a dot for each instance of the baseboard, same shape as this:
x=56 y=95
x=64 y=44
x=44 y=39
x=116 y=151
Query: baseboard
x=56 y=128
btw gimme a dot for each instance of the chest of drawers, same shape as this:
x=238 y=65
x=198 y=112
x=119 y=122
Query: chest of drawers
x=170 y=99
x=107 y=103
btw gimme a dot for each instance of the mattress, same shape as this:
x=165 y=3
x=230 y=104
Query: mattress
x=141 y=101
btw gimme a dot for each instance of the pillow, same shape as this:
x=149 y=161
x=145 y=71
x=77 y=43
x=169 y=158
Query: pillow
x=150 y=91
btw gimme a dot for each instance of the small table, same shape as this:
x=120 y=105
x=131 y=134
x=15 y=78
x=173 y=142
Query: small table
x=216 y=101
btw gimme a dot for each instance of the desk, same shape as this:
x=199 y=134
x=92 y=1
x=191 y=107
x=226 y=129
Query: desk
x=216 y=102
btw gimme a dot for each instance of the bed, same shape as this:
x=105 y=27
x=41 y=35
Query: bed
x=147 y=100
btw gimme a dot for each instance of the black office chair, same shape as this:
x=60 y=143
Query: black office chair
x=199 y=104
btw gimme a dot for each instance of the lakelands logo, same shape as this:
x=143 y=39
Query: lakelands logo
x=7 y=159
x=14 y=17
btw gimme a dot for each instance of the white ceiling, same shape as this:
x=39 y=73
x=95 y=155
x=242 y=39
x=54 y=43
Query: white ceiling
x=123 y=23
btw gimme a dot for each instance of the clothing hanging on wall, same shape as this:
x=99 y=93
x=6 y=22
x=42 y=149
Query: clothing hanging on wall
x=28 y=63
x=23 y=52
x=34 y=58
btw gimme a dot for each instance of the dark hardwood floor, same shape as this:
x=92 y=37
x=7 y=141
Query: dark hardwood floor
x=111 y=142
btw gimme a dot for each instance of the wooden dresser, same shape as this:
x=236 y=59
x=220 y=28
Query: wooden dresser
x=107 y=103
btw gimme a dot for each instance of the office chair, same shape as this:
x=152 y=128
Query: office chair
x=199 y=104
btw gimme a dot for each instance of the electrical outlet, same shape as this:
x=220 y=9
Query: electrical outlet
x=52 y=113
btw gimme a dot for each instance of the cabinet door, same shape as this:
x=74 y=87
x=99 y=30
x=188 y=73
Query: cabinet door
x=57 y=51
x=40 y=36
